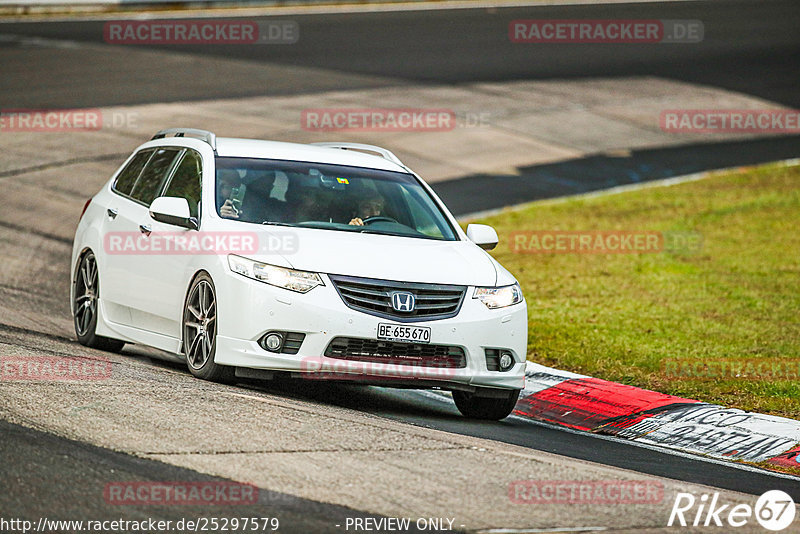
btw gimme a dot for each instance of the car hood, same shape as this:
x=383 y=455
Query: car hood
x=384 y=257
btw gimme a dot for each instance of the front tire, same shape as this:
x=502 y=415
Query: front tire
x=488 y=408
x=200 y=331
x=86 y=295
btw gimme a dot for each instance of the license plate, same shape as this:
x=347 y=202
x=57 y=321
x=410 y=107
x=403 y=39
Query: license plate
x=404 y=333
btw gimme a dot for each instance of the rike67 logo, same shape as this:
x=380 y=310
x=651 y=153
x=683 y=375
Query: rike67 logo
x=774 y=510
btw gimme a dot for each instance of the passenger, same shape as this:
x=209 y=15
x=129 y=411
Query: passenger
x=227 y=180
x=305 y=203
x=258 y=206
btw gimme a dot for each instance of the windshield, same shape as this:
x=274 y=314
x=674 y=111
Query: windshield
x=333 y=197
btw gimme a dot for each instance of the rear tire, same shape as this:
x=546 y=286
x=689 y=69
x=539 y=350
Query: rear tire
x=200 y=332
x=86 y=296
x=488 y=408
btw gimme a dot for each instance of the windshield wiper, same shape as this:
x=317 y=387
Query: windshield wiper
x=416 y=234
x=376 y=232
x=274 y=223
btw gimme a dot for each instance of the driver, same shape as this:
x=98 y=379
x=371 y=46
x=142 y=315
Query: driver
x=369 y=206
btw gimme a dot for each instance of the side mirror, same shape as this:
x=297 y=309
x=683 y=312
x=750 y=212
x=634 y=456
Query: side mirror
x=482 y=235
x=173 y=210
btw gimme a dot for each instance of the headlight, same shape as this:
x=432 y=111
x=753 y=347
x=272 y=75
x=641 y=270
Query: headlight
x=300 y=281
x=499 y=297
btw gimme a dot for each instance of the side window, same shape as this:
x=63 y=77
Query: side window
x=149 y=183
x=126 y=178
x=187 y=180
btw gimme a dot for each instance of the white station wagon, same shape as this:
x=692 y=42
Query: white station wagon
x=334 y=261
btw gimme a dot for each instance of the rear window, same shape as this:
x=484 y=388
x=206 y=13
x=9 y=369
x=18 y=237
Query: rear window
x=127 y=178
x=150 y=181
x=187 y=181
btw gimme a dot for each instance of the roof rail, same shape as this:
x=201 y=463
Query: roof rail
x=203 y=135
x=384 y=153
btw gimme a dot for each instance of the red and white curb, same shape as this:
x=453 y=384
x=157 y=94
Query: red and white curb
x=598 y=406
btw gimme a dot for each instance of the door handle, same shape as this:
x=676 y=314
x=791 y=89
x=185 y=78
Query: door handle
x=145 y=229
x=112 y=213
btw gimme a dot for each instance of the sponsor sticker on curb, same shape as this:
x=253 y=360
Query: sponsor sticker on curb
x=717 y=431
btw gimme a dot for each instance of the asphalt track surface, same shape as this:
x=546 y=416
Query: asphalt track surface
x=750 y=47
x=42 y=468
x=419 y=409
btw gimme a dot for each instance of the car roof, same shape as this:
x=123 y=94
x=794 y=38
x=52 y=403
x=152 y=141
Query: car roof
x=255 y=148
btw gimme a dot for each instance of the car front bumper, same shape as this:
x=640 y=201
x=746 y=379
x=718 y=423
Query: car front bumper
x=248 y=309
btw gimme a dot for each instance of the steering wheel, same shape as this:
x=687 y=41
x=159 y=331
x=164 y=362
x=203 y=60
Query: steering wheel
x=378 y=218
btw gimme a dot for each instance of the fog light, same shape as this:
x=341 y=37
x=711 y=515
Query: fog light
x=506 y=361
x=273 y=342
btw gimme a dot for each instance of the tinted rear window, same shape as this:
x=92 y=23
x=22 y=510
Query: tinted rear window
x=186 y=181
x=128 y=176
x=149 y=183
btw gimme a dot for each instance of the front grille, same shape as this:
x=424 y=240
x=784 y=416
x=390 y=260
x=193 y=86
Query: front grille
x=416 y=354
x=433 y=301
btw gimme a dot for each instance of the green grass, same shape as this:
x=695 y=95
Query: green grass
x=619 y=316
